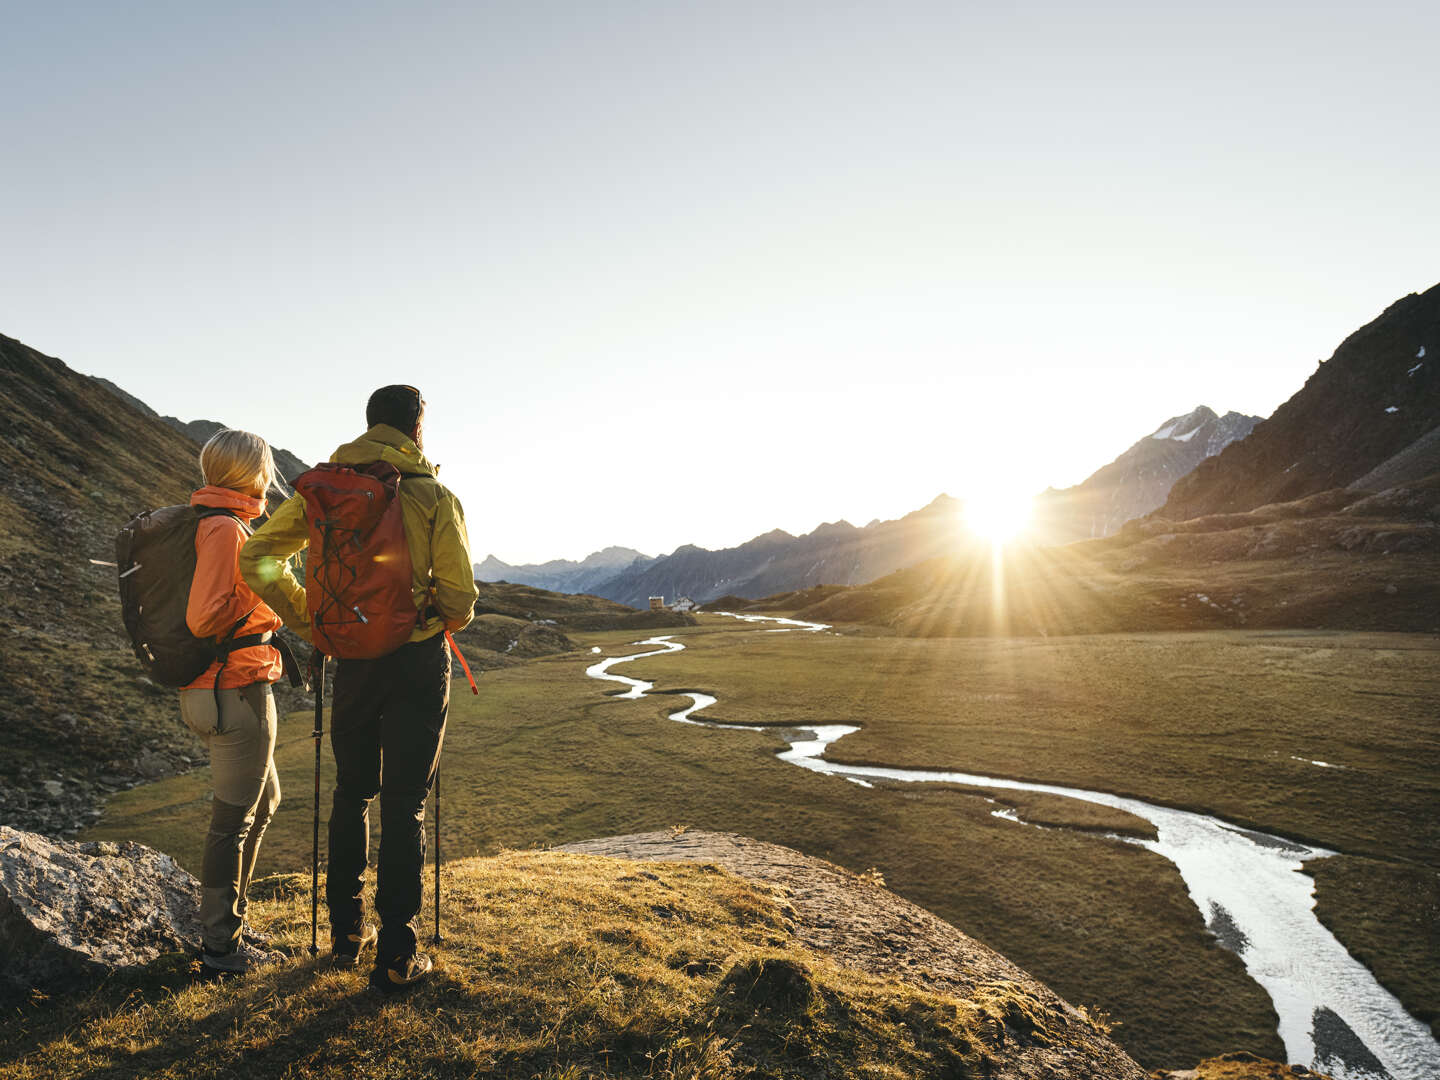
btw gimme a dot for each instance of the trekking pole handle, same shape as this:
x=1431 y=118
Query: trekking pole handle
x=315 y=675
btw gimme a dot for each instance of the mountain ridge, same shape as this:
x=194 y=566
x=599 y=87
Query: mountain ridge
x=200 y=431
x=1374 y=398
x=562 y=575
x=838 y=553
x=778 y=561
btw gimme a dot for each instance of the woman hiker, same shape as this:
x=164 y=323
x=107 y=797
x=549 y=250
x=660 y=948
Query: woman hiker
x=231 y=705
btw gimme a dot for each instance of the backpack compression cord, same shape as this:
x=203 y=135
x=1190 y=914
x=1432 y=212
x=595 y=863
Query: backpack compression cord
x=359 y=581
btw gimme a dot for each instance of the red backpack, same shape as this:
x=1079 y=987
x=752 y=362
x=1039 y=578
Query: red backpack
x=357 y=574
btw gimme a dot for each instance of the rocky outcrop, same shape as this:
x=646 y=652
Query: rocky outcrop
x=860 y=924
x=70 y=912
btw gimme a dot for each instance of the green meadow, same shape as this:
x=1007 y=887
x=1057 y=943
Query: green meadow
x=1226 y=722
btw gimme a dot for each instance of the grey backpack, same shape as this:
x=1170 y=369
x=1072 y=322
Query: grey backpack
x=155 y=553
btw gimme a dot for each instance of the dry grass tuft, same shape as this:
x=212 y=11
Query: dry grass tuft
x=554 y=965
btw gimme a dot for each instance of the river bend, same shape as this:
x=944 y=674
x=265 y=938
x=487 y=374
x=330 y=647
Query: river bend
x=1248 y=885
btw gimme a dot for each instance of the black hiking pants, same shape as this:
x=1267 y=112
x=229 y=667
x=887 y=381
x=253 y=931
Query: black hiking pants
x=386 y=727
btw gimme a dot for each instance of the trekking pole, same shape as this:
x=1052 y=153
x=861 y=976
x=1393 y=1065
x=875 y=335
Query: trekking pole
x=449 y=640
x=317 y=672
x=436 y=938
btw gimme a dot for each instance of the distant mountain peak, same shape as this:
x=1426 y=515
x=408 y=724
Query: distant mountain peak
x=941 y=504
x=1140 y=479
x=769 y=539
x=562 y=575
x=1183 y=428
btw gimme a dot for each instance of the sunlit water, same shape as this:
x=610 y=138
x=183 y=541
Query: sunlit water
x=1248 y=886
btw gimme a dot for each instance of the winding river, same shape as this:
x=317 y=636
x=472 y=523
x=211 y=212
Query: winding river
x=1248 y=886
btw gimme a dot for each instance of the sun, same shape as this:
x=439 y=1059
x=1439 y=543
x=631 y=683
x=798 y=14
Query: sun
x=998 y=514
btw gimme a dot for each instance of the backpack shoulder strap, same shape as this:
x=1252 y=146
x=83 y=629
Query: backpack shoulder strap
x=220 y=511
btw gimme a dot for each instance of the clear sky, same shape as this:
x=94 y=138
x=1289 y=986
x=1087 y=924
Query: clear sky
x=679 y=272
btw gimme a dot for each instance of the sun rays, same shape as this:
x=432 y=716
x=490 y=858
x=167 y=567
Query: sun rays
x=998 y=514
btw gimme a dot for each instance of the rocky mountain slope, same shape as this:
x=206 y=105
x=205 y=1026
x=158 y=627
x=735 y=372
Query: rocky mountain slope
x=79 y=719
x=564 y=575
x=1139 y=480
x=1376 y=400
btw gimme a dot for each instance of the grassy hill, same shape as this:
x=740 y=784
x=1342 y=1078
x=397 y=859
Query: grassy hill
x=567 y=967
x=783 y=601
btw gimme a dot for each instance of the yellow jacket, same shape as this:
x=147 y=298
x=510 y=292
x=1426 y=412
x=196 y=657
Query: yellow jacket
x=434 y=530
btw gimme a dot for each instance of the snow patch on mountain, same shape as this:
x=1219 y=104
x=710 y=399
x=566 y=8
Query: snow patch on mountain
x=1139 y=480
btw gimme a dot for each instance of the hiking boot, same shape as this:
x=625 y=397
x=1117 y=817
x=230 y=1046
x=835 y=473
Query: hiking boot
x=345 y=948
x=240 y=960
x=400 y=975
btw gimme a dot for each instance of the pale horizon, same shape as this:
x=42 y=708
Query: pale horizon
x=672 y=276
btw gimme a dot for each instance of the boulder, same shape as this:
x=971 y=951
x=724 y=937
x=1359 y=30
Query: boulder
x=70 y=912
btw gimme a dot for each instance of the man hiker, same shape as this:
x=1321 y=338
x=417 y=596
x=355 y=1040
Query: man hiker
x=388 y=713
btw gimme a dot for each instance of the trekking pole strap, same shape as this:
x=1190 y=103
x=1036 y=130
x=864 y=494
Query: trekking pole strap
x=450 y=638
x=288 y=661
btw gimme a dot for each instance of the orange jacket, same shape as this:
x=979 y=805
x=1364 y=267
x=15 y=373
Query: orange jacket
x=219 y=595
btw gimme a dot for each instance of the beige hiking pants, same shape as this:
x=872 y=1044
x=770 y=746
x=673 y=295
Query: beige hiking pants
x=247 y=791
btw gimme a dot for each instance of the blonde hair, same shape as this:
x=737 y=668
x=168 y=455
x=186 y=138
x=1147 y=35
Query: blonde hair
x=240 y=461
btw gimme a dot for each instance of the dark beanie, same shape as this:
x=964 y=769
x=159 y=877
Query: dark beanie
x=399 y=406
